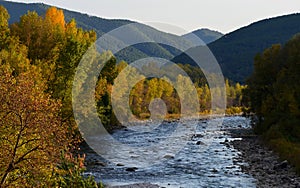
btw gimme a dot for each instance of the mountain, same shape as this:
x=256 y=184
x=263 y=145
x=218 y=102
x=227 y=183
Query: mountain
x=102 y=26
x=206 y=35
x=235 y=51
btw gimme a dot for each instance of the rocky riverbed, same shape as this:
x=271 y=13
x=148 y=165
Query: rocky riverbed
x=263 y=164
x=230 y=156
x=203 y=161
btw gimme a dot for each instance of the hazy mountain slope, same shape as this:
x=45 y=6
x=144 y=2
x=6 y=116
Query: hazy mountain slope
x=235 y=51
x=206 y=35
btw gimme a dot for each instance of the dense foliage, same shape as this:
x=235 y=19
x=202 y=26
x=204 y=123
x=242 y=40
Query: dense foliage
x=148 y=89
x=273 y=94
x=38 y=58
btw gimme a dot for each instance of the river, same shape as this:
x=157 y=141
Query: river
x=206 y=160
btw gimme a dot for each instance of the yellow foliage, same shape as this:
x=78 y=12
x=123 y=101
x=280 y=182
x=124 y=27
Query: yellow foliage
x=56 y=17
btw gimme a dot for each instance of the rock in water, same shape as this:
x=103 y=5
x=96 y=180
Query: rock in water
x=169 y=157
x=199 y=143
x=131 y=169
x=214 y=170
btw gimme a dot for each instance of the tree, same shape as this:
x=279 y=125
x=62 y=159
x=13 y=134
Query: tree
x=273 y=88
x=32 y=134
x=273 y=91
x=34 y=33
x=74 y=45
x=266 y=67
x=4 y=30
x=56 y=48
x=137 y=98
x=56 y=17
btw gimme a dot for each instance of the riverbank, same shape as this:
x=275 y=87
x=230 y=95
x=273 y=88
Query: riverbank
x=264 y=164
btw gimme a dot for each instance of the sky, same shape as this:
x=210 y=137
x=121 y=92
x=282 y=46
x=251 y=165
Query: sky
x=180 y=17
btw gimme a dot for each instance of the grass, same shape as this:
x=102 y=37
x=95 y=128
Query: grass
x=281 y=141
x=288 y=151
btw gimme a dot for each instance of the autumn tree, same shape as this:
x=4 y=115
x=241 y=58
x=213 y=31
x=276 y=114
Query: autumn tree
x=234 y=94
x=55 y=17
x=75 y=43
x=56 y=48
x=37 y=35
x=137 y=98
x=4 y=30
x=32 y=133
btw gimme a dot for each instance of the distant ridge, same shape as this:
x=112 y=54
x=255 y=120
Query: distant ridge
x=205 y=34
x=235 y=51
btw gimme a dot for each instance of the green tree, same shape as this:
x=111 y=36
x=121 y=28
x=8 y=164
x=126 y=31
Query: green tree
x=273 y=92
x=260 y=84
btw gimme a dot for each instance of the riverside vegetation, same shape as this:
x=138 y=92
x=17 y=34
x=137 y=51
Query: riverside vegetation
x=37 y=136
x=273 y=94
x=38 y=59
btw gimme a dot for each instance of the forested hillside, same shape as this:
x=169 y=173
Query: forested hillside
x=101 y=26
x=235 y=51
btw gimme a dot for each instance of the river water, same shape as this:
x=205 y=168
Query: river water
x=206 y=160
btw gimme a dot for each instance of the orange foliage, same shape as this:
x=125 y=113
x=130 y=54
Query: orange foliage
x=55 y=16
